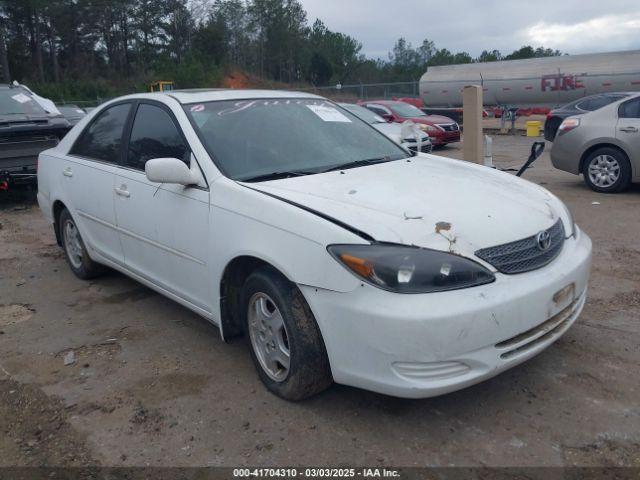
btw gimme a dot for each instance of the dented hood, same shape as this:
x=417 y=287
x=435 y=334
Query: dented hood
x=429 y=201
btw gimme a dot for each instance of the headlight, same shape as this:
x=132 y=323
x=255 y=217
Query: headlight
x=404 y=269
x=572 y=226
x=428 y=128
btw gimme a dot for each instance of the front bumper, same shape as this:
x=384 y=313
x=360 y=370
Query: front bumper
x=445 y=137
x=425 y=345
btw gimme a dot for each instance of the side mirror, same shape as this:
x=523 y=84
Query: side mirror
x=169 y=170
x=388 y=117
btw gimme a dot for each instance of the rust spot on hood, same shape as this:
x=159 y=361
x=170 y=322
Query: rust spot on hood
x=443 y=226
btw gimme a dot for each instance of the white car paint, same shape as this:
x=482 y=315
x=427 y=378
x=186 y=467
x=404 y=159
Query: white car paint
x=179 y=240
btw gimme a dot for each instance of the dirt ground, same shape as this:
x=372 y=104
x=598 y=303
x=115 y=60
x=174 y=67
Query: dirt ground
x=152 y=383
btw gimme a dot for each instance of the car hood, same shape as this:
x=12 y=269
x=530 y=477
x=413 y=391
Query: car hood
x=9 y=118
x=390 y=129
x=429 y=201
x=432 y=119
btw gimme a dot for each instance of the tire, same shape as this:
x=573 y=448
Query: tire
x=267 y=292
x=74 y=249
x=607 y=170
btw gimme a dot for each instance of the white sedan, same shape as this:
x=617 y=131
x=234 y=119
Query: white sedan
x=340 y=255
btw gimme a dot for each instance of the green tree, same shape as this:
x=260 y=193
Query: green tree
x=320 y=69
x=489 y=56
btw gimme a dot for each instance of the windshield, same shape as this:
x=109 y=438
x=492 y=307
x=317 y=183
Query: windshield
x=406 y=110
x=250 y=138
x=15 y=101
x=363 y=113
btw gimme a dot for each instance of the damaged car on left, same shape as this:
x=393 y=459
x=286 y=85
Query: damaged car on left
x=26 y=129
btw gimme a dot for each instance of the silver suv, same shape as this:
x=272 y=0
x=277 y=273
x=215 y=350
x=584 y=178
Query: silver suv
x=603 y=145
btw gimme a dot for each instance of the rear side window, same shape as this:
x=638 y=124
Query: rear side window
x=154 y=135
x=599 y=102
x=102 y=139
x=630 y=109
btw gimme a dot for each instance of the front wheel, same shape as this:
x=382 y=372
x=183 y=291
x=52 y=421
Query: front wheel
x=607 y=170
x=285 y=341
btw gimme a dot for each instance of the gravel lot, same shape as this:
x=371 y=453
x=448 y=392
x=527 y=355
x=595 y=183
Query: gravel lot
x=153 y=384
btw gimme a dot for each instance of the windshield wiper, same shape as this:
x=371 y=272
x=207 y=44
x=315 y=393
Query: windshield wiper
x=274 y=176
x=358 y=163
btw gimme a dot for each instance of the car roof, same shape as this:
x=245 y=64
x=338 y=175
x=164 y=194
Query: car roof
x=216 y=94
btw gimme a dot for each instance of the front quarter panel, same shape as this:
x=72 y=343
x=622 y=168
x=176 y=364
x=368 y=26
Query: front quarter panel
x=293 y=240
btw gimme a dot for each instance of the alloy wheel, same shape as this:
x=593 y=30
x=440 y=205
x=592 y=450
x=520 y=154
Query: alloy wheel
x=604 y=171
x=269 y=338
x=72 y=244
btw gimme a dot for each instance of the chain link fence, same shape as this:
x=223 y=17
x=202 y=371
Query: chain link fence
x=338 y=93
x=366 y=91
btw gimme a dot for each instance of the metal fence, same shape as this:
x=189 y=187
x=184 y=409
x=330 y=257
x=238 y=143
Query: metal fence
x=339 y=93
x=367 y=91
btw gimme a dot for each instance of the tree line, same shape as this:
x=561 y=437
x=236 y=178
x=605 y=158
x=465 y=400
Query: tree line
x=91 y=48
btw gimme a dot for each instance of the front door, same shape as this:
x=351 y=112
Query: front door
x=163 y=228
x=628 y=131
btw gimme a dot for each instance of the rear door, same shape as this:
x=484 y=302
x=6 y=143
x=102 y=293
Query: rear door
x=163 y=228
x=89 y=172
x=628 y=131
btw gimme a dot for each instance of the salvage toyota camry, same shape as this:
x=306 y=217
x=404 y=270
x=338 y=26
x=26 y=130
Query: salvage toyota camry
x=338 y=254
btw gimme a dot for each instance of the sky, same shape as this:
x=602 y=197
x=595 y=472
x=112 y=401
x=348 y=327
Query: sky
x=571 y=26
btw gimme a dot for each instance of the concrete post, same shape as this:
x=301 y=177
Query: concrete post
x=472 y=144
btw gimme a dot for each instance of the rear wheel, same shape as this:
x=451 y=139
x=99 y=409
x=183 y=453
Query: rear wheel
x=284 y=338
x=79 y=261
x=607 y=170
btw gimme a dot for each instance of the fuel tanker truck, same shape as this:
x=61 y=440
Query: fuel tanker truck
x=548 y=81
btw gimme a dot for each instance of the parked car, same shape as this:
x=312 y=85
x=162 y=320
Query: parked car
x=604 y=145
x=340 y=255
x=25 y=130
x=72 y=113
x=577 y=107
x=391 y=130
x=441 y=129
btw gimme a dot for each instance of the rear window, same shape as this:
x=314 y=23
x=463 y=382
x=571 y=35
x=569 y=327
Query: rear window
x=15 y=101
x=599 y=102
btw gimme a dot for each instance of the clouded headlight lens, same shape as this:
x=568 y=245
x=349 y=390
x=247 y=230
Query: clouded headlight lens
x=428 y=128
x=406 y=269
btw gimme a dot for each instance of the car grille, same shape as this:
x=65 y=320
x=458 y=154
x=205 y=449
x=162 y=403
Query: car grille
x=424 y=149
x=449 y=127
x=524 y=255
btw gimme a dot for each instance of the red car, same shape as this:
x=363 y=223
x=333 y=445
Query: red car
x=441 y=129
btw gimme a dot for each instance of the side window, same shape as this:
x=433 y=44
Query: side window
x=102 y=139
x=630 y=109
x=599 y=102
x=154 y=135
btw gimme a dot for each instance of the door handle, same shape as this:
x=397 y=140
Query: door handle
x=122 y=191
x=67 y=172
x=628 y=129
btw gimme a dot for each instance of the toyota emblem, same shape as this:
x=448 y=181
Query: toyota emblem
x=544 y=240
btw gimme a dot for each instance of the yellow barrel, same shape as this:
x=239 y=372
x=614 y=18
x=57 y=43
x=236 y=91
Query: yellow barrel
x=533 y=128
